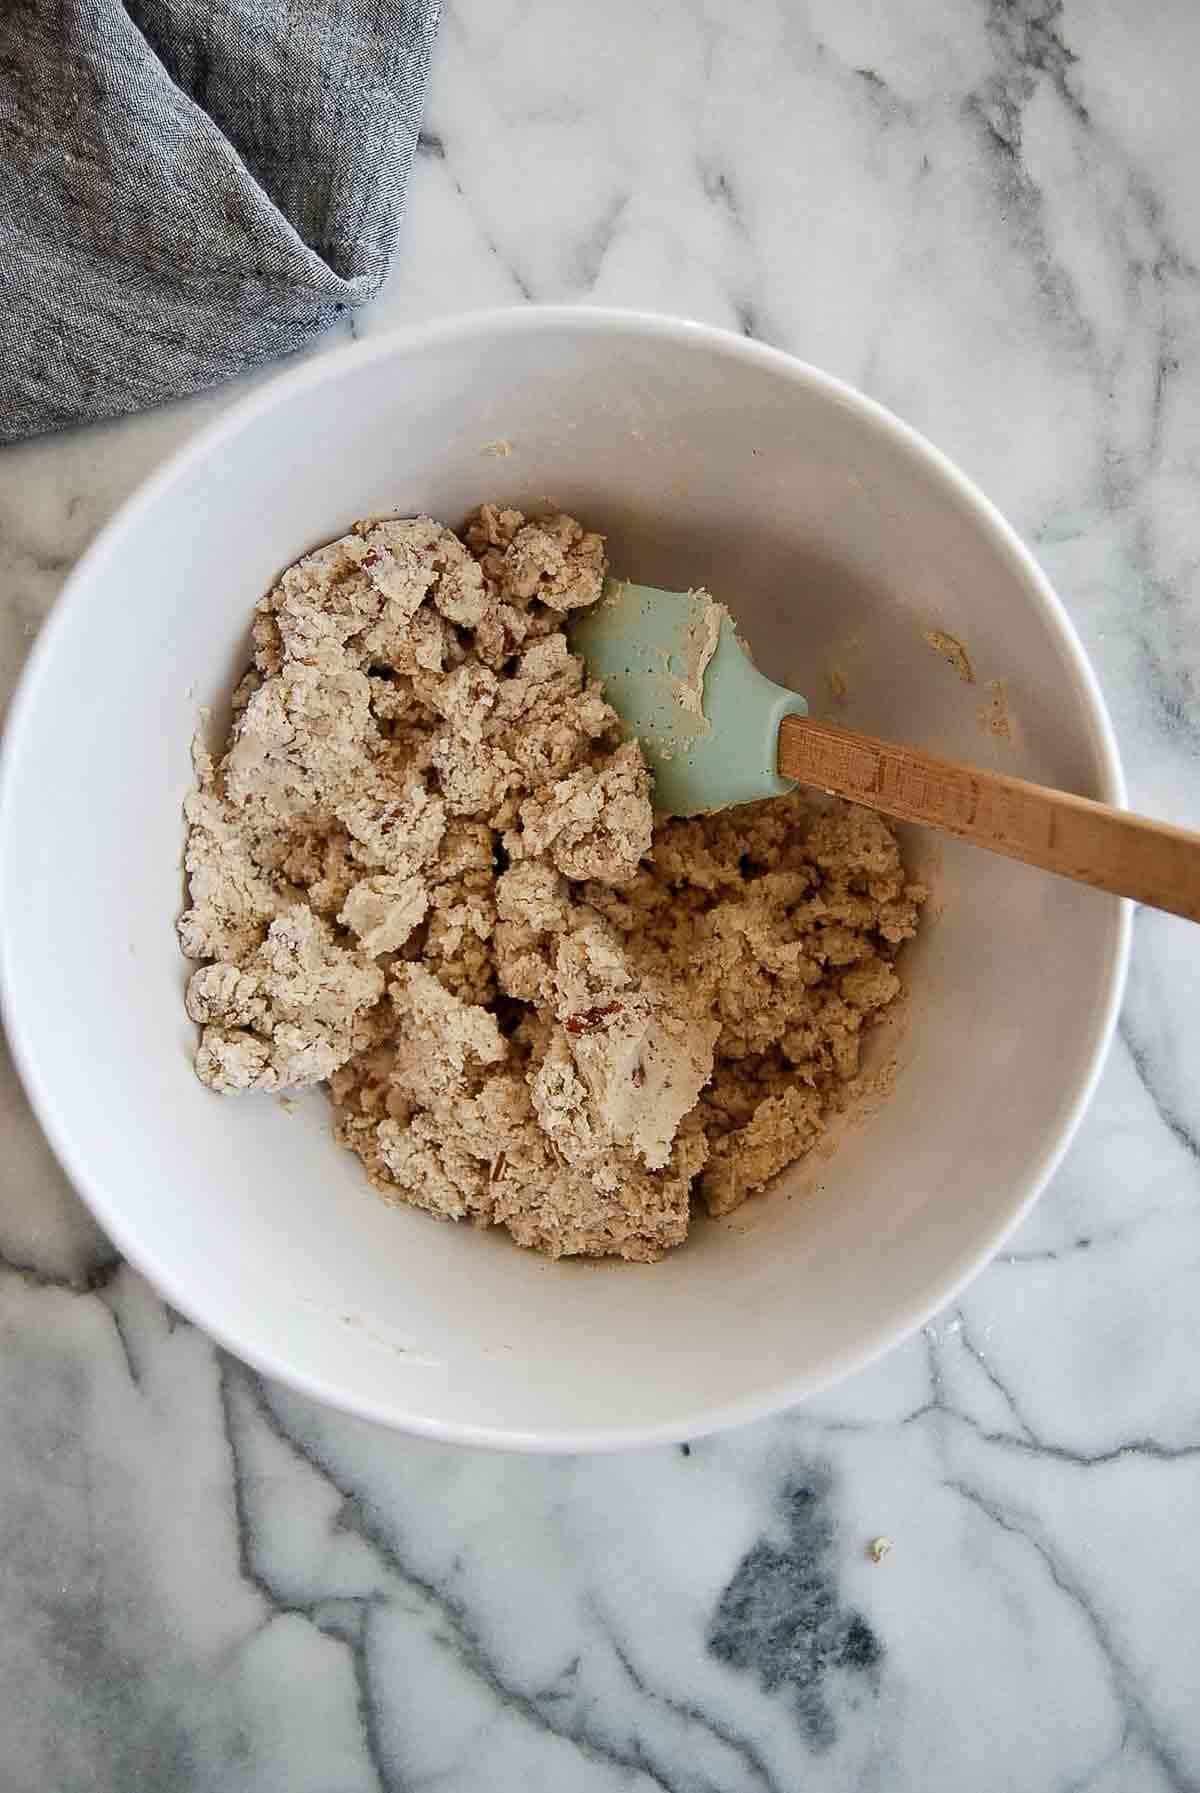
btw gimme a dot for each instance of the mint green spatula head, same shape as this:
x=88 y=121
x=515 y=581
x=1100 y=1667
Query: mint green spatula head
x=675 y=672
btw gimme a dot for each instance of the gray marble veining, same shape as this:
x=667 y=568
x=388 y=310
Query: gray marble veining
x=983 y=214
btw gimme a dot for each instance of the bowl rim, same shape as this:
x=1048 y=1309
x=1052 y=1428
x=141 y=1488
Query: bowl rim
x=326 y=368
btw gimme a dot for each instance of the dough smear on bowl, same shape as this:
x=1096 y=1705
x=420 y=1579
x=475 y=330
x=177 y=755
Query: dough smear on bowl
x=425 y=872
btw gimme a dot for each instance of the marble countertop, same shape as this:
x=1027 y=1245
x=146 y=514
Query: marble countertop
x=984 y=214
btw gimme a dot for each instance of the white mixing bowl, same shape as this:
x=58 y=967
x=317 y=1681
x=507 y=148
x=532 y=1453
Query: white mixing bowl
x=839 y=538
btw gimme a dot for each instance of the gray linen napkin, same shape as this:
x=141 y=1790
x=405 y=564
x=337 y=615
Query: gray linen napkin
x=188 y=187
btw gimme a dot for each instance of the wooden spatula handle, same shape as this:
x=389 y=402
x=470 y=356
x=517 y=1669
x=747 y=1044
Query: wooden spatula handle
x=1090 y=842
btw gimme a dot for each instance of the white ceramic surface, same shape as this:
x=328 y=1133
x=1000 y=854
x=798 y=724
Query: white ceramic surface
x=838 y=537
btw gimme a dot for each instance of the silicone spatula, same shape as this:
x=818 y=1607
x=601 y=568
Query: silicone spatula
x=716 y=732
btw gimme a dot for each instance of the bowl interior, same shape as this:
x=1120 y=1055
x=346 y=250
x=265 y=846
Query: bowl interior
x=839 y=541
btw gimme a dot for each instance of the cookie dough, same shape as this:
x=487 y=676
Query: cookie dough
x=425 y=872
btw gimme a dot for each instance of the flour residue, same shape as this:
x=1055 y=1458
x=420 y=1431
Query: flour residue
x=994 y=717
x=953 y=653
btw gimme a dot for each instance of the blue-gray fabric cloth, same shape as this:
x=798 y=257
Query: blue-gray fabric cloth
x=190 y=187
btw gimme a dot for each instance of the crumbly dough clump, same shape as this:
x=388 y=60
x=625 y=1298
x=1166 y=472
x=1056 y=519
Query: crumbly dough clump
x=425 y=872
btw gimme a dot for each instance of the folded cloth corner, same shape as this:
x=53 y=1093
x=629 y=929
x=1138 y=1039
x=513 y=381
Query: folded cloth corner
x=191 y=187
